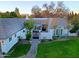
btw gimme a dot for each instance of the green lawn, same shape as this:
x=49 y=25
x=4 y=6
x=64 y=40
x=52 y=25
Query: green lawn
x=18 y=50
x=55 y=49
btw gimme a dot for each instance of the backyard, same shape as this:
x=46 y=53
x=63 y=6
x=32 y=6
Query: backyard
x=18 y=50
x=61 y=49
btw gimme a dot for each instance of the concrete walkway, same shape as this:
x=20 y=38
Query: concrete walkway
x=33 y=50
x=1 y=56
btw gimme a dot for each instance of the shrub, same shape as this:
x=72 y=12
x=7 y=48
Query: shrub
x=75 y=28
x=28 y=36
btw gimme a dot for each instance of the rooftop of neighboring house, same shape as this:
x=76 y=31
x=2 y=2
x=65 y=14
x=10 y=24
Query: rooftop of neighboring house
x=9 y=26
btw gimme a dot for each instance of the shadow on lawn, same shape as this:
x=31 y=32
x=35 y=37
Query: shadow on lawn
x=18 y=50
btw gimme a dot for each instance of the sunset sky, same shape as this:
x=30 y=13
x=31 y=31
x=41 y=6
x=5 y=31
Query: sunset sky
x=25 y=6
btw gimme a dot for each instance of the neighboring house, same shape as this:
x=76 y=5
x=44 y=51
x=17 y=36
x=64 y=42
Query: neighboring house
x=45 y=28
x=50 y=27
x=10 y=30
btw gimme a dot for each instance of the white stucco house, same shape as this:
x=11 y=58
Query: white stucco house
x=45 y=28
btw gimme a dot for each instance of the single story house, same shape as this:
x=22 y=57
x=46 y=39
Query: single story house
x=45 y=28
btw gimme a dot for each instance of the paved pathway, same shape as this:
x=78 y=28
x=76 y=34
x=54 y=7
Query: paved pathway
x=33 y=50
x=1 y=56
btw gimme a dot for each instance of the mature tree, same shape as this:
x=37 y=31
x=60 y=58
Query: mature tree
x=61 y=10
x=17 y=12
x=29 y=25
x=7 y=14
x=51 y=7
x=36 y=11
x=45 y=6
x=13 y=14
x=75 y=23
x=48 y=9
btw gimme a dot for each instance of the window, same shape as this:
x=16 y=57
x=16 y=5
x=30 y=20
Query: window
x=61 y=31
x=57 y=32
x=37 y=27
x=23 y=30
x=15 y=35
x=44 y=27
x=2 y=42
x=10 y=39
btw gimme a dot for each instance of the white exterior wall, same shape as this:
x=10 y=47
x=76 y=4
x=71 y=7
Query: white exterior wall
x=8 y=45
x=22 y=34
x=72 y=34
x=50 y=34
x=46 y=35
x=65 y=32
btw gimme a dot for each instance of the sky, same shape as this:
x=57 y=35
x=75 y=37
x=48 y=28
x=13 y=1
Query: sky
x=26 y=6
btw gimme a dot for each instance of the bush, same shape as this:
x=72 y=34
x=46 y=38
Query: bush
x=75 y=28
x=28 y=36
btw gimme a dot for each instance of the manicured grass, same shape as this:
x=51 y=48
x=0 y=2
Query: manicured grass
x=18 y=50
x=55 y=49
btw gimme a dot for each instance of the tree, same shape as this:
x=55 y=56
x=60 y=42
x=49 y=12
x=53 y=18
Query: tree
x=51 y=7
x=29 y=25
x=75 y=23
x=7 y=14
x=17 y=12
x=36 y=11
x=13 y=14
x=48 y=9
x=61 y=10
x=45 y=6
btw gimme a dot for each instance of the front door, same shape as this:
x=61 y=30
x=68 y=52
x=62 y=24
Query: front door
x=58 y=32
x=35 y=34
